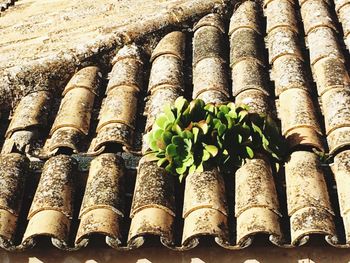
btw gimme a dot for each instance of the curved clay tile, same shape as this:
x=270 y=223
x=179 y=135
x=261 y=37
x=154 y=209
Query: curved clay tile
x=210 y=74
x=102 y=208
x=330 y=73
x=249 y=74
x=72 y=121
x=209 y=69
x=280 y=14
x=308 y=202
x=52 y=207
x=119 y=107
x=336 y=108
x=166 y=71
x=127 y=65
x=341 y=170
x=118 y=111
x=171 y=44
x=296 y=108
x=213 y=96
x=315 y=14
x=281 y=42
x=343 y=12
x=153 y=204
x=338 y=139
x=245 y=43
x=322 y=43
x=13 y=172
x=205 y=207
x=256 y=100
x=288 y=72
x=256 y=203
x=29 y=116
x=296 y=111
x=166 y=82
x=245 y=17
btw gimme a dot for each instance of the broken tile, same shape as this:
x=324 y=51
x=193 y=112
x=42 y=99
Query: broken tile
x=113 y=133
x=63 y=138
x=30 y=115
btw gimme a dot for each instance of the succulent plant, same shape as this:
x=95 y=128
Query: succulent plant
x=189 y=135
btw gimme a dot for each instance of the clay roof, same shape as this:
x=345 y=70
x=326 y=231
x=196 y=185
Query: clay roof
x=72 y=166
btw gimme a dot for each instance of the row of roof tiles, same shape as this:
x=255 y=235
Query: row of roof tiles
x=211 y=205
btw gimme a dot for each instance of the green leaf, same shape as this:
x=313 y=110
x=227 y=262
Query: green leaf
x=203 y=126
x=195 y=132
x=249 y=152
x=154 y=146
x=200 y=168
x=242 y=115
x=225 y=109
x=169 y=113
x=167 y=137
x=158 y=134
x=206 y=155
x=180 y=104
x=222 y=129
x=192 y=169
x=212 y=149
x=162 y=121
x=181 y=169
x=171 y=150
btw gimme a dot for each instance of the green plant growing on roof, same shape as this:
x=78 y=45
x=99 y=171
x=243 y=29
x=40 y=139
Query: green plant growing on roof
x=189 y=135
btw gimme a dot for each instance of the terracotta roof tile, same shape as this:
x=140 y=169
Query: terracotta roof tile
x=79 y=196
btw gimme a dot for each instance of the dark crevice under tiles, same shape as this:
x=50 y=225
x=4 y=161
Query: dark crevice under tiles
x=115 y=198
